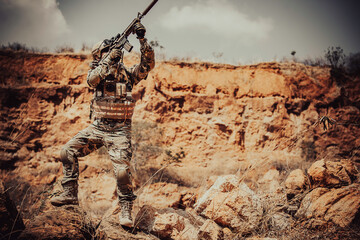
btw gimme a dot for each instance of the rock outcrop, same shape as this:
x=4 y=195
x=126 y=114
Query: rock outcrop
x=213 y=113
x=339 y=206
x=335 y=196
x=231 y=203
x=333 y=173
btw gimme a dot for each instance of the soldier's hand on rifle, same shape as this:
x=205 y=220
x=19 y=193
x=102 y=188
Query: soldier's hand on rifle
x=140 y=30
x=94 y=64
x=114 y=56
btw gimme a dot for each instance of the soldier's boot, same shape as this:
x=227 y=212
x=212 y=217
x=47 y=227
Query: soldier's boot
x=125 y=213
x=69 y=196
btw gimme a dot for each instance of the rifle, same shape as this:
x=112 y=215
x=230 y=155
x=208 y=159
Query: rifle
x=121 y=41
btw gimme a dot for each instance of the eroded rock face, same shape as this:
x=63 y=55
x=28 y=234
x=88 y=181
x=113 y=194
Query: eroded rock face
x=332 y=173
x=339 y=206
x=215 y=113
x=231 y=204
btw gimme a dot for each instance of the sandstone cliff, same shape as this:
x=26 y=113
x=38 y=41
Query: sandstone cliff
x=192 y=123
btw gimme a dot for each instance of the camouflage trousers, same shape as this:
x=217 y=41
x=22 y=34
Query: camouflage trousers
x=116 y=138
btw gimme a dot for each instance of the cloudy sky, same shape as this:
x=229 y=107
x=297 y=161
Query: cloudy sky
x=233 y=31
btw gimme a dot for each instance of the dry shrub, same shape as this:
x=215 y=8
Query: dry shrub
x=353 y=64
x=146 y=137
x=64 y=49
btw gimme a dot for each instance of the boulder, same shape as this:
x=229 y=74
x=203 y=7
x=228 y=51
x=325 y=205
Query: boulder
x=295 y=183
x=222 y=184
x=317 y=171
x=188 y=199
x=344 y=211
x=332 y=174
x=110 y=228
x=231 y=204
x=308 y=200
x=160 y=195
x=173 y=225
x=10 y=219
x=350 y=168
x=228 y=234
x=168 y=223
x=339 y=206
x=269 y=183
x=270 y=175
x=210 y=231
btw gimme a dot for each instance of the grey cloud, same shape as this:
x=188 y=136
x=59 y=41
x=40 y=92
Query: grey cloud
x=219 y=18
x=33 y=22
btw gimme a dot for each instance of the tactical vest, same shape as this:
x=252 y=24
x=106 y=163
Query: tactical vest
x=113 y=99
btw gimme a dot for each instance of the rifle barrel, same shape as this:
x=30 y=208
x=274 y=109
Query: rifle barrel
x=148 y=8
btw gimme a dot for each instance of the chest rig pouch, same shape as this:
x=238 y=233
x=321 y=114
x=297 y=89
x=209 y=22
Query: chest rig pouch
x=113 y=99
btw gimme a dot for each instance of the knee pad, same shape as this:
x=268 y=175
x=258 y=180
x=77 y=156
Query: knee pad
x=122 y=175
x=65 y=156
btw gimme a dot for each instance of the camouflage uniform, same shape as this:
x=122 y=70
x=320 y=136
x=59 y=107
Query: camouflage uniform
x=112 y=108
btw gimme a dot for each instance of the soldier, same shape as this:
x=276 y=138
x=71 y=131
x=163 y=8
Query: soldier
x=112 y=108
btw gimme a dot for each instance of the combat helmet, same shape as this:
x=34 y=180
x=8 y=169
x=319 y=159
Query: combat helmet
x=99 y=48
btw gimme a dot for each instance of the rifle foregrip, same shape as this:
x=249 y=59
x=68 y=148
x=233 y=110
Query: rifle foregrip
x=127 y=46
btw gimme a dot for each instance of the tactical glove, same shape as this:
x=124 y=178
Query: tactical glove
x=114 y=56
x=94 y=64
x=140 y=30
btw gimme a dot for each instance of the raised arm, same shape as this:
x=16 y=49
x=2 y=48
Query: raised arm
x=147 y=63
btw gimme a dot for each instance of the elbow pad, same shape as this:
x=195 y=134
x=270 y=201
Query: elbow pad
x=94 y=76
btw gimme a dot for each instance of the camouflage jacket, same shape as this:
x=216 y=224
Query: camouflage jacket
x=134 y=74
x=113 y=84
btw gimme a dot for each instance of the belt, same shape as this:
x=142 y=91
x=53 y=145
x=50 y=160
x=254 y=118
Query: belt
x=105 y=124
x=111 y=120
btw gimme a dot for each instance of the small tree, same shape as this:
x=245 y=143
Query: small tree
x=85 y=47
x=353 y=64
x=15 y=46
x=155 y=43
x=335 y=56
